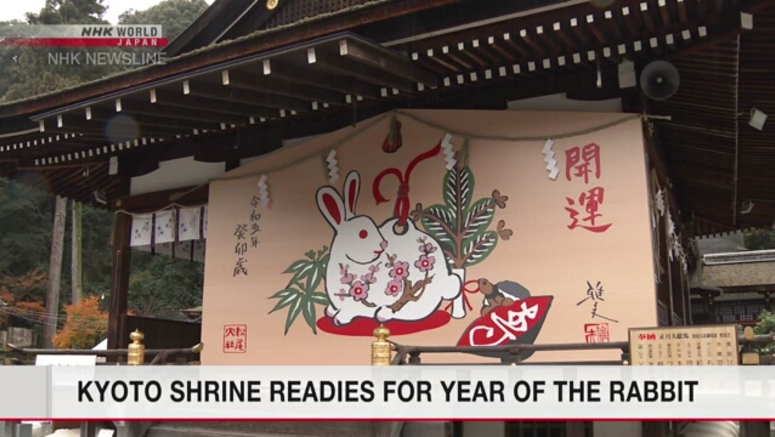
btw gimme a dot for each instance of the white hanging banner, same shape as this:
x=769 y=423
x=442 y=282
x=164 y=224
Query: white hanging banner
x=165 y=227
x=189 y=224
x=141 y=230
x=176 y=233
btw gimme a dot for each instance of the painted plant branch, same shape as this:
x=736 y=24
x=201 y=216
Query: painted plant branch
x=460 y=225
x=300 y=295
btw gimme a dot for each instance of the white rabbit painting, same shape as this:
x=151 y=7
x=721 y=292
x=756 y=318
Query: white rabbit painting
x=388 y=272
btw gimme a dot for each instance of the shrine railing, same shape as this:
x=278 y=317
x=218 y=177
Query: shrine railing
x=383 y=351
x=135 y=354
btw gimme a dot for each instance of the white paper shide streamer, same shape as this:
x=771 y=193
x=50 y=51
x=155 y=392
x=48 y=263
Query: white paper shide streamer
x=333 y=166
x=263 y=191
x=449 y=154
x=551 y=163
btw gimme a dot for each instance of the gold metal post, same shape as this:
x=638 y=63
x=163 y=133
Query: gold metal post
x=381 y=350
x=196 y=349
x=136 y=354
x=750 y=355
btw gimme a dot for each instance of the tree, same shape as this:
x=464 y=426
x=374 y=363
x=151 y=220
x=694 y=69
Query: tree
x=766 y=326
x=76 y=269
x=8 y=57
x=55 y=271
x=85 y=326
x=69 y=12
x=159 y=283
x=173 y=15
x=760 y=239
x=20 y=300
x=33 y=74
x=25 y=221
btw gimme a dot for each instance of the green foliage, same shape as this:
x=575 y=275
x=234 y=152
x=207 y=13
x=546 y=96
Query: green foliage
x=300 y=295
x=159 y=283
x=69 y=12
x=765 y=326
x=760 y=239
x=173 y=15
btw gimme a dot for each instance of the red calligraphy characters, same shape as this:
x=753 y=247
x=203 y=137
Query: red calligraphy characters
x=235 y=339
x=591 y=202
x=580 y=160
x=597 y=333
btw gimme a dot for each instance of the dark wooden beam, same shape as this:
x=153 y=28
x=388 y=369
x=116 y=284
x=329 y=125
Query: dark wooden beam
x=164 y=97
x=295 y=73
x=106 y=115
x=216 y=91
x=386 y=60
x=197 y=114
x=348 y=67
x=117 y=128
x=143 y=203
x=117 y=133
x=273 y=84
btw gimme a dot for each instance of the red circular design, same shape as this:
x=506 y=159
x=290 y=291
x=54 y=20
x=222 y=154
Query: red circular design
x=363 y=327
x=363 y=234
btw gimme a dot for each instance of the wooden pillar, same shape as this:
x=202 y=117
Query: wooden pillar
x=653 y=429
x=119 y=293
x=88 y=429
x=755 y=429
x=575 y=429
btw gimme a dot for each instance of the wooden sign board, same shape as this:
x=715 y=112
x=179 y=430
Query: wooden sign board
x=708 y=345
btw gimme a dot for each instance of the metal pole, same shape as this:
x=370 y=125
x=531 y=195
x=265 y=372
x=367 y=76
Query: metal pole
x=382 y=355
x=751 y=357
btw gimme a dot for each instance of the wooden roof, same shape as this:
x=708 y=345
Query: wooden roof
x=246 y=95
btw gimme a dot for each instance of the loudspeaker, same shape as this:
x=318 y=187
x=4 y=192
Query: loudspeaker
x=659 y=80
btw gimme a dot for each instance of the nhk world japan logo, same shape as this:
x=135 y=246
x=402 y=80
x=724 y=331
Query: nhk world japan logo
x=83 y=35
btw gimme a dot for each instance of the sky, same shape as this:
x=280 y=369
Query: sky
x=13 y=9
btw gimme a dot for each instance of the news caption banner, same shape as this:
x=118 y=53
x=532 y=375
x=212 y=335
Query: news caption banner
x=388 y=393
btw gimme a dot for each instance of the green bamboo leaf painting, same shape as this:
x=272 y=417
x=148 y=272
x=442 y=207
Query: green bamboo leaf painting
x=310 y=314
x=288 y=299
x=283 y=293
x=319 y=298
x=299 y=266
x=300 y=295
x=480 y=247
x=293 y=313
x=314 y=276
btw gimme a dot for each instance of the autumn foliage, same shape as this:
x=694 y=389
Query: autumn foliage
x=85 y=326
x=18 y=297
